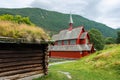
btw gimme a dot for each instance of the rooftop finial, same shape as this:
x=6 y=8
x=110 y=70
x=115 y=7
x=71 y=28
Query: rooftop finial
x=71 y=22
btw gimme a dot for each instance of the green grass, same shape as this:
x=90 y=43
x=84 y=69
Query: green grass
x=102 y=65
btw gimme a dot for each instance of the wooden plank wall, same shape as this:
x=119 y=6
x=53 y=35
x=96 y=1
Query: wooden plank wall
x=22 y=60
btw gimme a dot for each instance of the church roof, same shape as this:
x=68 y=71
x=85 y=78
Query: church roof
x=83 y=47
x=83 y=35
x=66 y=34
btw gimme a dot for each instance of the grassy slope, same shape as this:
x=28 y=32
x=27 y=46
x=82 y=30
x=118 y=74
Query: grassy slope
x=103 y=66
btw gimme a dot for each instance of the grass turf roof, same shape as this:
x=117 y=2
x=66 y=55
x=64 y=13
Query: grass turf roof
x=10 y=30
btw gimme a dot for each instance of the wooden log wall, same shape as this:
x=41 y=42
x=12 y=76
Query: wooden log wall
x=22 y=60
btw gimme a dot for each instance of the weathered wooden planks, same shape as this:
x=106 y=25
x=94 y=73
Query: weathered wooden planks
x=23 y=60
x=18 y=76
x=20 y=71
x=5 y=60
x=19 y=67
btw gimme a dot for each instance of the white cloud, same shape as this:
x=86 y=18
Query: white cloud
x=15 y=3
x=109 y=13
x=107 y=5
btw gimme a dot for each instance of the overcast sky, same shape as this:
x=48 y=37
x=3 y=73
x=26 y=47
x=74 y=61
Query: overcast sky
x=104 y=11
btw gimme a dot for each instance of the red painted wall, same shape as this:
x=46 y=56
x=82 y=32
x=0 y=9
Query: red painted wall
x=85 y=53
x=82 y=41
x=65 y=54
x=92 y=50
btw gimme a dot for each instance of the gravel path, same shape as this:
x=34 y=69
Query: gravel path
x=67 y=74
x=55 y=63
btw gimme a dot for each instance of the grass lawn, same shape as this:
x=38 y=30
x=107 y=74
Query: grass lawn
x=102 y=65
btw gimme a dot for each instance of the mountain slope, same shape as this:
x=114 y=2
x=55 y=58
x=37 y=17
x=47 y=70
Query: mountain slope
x=102 y=65
x=118 y=29
x=54 y=21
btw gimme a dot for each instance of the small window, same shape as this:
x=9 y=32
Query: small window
x=59 y=42
x=66 y=42
x=72 y=42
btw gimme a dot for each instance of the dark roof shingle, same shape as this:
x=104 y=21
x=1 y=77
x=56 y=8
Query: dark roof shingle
x=84 y=47
x=66 y=34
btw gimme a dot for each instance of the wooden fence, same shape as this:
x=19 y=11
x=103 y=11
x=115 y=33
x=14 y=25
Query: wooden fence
x=22 y=60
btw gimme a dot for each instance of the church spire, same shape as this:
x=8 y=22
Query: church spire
x=70 y=23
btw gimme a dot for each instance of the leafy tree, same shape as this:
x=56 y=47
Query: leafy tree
x=6 y=17
x=118 y=37
x=17 y=19
x=109 y=40
x=96 y=38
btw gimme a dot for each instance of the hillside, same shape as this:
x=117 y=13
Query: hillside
x=102 y=65
x=54 y=21
x=118 y=29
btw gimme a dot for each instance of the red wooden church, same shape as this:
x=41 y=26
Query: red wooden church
x=71 y=43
